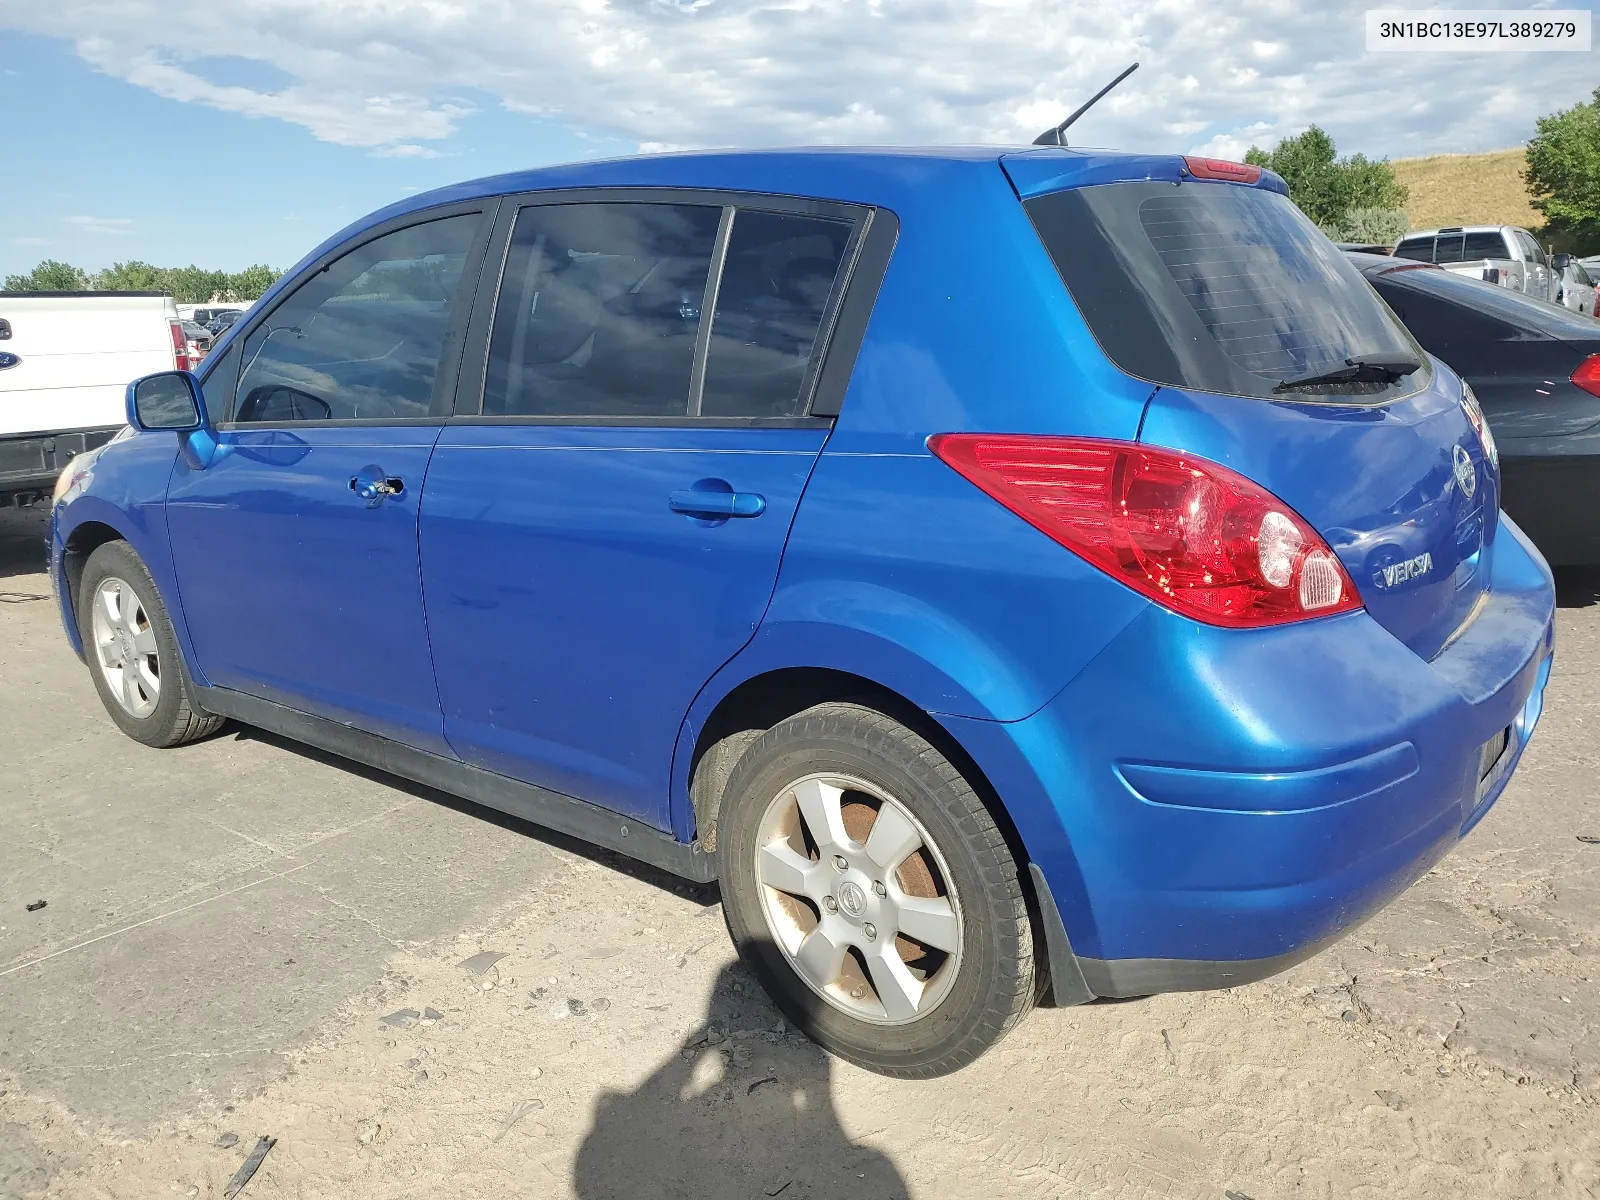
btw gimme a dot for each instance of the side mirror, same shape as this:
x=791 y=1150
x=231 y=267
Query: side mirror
x=1560 y=262
x=170 y=400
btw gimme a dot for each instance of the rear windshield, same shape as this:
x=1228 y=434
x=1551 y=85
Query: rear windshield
x=1218 y=288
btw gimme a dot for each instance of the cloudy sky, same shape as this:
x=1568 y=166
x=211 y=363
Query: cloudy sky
x=240 y=131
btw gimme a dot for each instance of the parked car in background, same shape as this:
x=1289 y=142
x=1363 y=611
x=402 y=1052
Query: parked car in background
x=205 y=314
x=223 y=321
x=199 y=339
x=1535 y=368
x=1576 y=284
x=65 y=362
x=659 y=500
x=1502 y=254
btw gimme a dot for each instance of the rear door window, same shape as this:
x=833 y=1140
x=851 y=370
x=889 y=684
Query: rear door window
x=1218 y=288
x=599 y=310
x=779 y=273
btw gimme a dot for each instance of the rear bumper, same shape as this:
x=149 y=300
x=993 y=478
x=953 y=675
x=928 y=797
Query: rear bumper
x=31 y=462
x=1208 y=807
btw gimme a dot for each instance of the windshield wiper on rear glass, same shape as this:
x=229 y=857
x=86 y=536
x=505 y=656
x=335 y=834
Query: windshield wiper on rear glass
x=1363 y=368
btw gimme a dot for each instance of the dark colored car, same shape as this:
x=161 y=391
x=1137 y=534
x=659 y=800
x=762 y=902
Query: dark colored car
x=960 y=554
x=1536 y=370
x=224 y=320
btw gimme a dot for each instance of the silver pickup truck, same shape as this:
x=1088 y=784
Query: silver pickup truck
x=1502 y=254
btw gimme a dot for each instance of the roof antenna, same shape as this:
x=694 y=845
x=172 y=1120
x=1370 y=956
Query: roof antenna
x=1055 y=137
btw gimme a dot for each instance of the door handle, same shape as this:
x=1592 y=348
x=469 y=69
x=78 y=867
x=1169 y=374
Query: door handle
x=372 y=486
x=716 y=505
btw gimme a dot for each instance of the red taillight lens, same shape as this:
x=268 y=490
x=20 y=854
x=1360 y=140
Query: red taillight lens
x=1587 y=376
x=180 y=347
x=1221 y=168
x=1192 y=535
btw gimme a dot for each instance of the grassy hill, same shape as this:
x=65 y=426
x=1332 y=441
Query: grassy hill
x=1467 y=189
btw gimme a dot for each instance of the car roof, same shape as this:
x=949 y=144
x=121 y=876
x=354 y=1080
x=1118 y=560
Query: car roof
x=894 y=177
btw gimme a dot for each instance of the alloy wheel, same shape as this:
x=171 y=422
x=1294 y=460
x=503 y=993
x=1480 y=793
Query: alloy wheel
x=125 y=647
x=859 y=899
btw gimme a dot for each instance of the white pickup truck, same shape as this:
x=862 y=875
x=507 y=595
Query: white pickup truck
x=66 y=359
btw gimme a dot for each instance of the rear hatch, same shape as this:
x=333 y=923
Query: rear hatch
x=1247 y=319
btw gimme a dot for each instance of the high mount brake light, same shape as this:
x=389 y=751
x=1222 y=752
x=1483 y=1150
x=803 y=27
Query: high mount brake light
x=1587 y=376
x=1191 y=535
x=1221 y=168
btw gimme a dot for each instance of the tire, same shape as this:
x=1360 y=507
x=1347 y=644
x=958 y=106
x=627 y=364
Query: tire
x=151 y=700
x=956 y=905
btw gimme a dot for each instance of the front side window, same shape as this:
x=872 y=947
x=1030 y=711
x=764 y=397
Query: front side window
x=1219 y=288
x=777 y=277
x=362 y=338
x=599 y=310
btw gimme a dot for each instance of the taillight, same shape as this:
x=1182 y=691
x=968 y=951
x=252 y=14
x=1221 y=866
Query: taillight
x=180 y=347
x=1587 y=376
x=1191 y=535
x=1469 y=399
x=1221 y=168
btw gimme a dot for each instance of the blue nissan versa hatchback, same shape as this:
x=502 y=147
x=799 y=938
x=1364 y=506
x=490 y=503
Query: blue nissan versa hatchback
x=1002 y=571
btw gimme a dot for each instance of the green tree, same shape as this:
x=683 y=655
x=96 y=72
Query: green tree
x=1563 y=174
x=49 y=276
x=195 y=285
x=1325 y=187
x=132 y=276
x=1371 y=226
x=249 y=283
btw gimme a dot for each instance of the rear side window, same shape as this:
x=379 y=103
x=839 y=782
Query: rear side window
x=777 y=278
x=361 y=339
x=599 y=310
x=1218 y=288
x=1485 y=245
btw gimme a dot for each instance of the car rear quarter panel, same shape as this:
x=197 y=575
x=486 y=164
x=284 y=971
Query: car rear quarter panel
x=899 y=570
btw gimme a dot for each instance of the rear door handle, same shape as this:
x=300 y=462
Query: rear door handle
x=715 y=505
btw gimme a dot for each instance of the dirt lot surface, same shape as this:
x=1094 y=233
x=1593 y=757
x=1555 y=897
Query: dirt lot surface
x=419 y=999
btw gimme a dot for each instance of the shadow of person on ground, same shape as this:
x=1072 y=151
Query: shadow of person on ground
x=740 y=1111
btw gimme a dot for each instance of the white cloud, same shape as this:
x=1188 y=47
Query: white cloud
x=388 y=76
x=30 y=241
x=111 y=225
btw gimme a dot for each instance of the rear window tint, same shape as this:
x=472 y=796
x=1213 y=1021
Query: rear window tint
x=1484 y=245
x=1448 y=247
x=1419 y=250
x=1216 y=287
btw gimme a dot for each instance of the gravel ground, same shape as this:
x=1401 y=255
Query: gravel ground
x=243 y=938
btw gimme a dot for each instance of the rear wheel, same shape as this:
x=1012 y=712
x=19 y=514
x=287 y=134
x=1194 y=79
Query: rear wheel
x=866 y=882
x=132 y=652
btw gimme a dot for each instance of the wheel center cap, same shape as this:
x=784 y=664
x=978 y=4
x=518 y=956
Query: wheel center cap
x=852 y=900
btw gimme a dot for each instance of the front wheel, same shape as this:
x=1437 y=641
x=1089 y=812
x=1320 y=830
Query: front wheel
x=868 y=885
x=133 y=653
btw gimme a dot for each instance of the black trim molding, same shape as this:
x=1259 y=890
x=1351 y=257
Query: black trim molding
x=537 y=805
